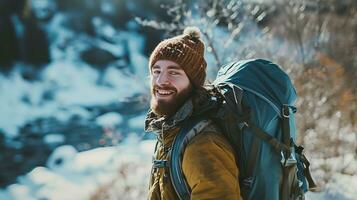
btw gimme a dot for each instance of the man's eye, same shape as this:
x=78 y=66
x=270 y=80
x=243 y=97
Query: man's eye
x=173 y=73
x=156 y=72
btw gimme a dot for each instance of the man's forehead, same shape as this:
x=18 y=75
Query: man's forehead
x=167 y=65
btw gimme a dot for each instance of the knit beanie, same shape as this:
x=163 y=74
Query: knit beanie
x=187 y=50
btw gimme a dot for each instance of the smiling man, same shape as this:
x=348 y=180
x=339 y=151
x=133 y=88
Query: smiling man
x=177 y=74
x=170 y=87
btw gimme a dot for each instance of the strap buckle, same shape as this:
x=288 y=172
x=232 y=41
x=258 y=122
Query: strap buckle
x=291 y=160
x=248 y=182
x=285 y=111
x=160 y=163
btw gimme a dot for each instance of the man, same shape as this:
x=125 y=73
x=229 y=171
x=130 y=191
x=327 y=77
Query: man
x=177 y=73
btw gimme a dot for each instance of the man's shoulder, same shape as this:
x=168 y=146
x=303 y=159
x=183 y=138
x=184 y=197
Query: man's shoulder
x=210 y=135
x=211 y=129
x=210 y=146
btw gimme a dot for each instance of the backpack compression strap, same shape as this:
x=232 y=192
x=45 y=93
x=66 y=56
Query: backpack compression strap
x=190 y=129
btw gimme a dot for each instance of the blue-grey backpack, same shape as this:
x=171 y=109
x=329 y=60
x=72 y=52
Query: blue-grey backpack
x=252 y=102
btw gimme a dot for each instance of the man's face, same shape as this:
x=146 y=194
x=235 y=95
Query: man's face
x=170 y=87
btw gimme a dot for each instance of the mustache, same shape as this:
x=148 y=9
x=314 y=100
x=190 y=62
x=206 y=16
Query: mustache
x=163 y=88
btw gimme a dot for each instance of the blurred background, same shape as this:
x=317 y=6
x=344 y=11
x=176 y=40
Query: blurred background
x=74 y=86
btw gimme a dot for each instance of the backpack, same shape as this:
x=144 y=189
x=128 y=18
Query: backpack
x=252 y=102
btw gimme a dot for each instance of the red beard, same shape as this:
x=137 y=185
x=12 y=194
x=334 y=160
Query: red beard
x=168 y=107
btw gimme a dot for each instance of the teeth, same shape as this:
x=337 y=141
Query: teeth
x=164 y=92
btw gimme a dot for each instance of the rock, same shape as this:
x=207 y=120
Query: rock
x=61 y=156
x=97 y=57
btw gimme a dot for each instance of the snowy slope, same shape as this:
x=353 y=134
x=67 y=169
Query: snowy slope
x=71 y=86
x=72 y=175
x=125 y=168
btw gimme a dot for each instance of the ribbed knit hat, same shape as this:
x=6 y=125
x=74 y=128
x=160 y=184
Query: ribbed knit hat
x=187 y=50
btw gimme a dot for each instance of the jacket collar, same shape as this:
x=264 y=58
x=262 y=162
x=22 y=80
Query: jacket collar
x=154 y=123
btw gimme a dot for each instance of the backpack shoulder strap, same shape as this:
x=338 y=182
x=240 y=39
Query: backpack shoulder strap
x=189 y=130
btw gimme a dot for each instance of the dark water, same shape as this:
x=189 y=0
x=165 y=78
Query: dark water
x=29 y=149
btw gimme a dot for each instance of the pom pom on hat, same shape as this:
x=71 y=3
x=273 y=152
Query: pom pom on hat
x=192 y=31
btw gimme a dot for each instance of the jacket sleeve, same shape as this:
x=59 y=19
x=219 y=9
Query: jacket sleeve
x=210 y=168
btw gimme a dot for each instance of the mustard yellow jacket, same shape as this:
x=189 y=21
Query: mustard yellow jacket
x=208 y=165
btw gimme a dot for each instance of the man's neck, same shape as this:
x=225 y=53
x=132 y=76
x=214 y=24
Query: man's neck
x=156 y=123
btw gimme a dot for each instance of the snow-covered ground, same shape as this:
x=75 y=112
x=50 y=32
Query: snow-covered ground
x=71 y=86
x=72 y=175
x=63 y=89
x=125 y=169
x=68 y=83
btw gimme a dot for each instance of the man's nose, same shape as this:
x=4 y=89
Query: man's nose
x=162 y=79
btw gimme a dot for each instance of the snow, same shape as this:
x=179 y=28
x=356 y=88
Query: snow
x=135 y=43
x=70 y=85
x=124 y=166
x=124 y=85
x=54 y=138
x=110 y=119
x=80 y=174
x=137 y=122
x=20 y=101
x=75 y=84
x=341 y=187
x=18 y=192
x=61 y=157
x=67 y=81
x=103 y=28
x=116 y=49
x=64 y=88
